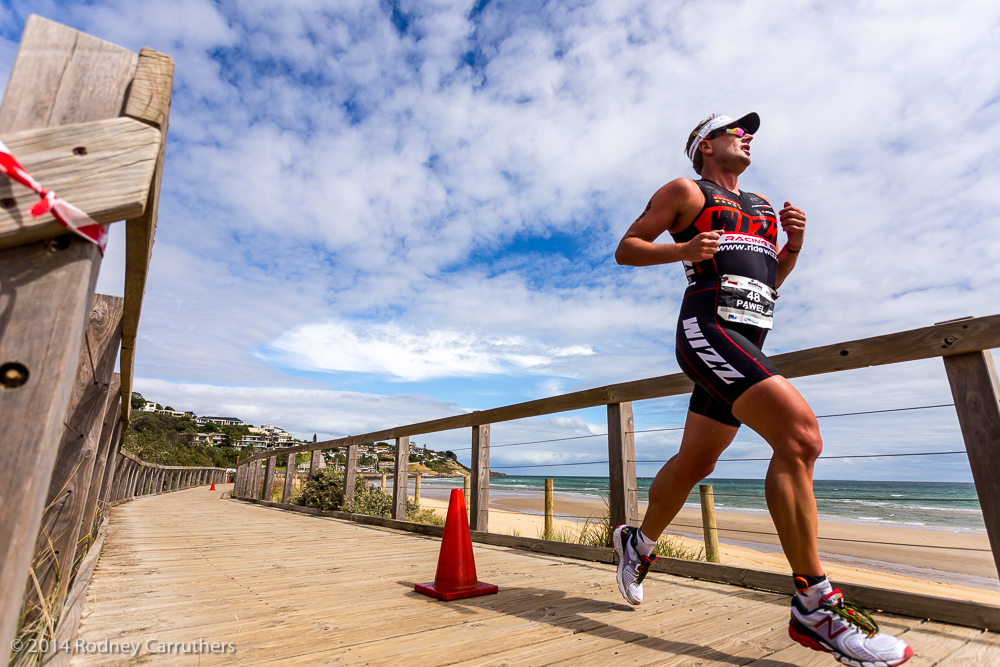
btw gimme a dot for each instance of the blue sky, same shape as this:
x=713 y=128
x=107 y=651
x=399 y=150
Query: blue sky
x=381 y=213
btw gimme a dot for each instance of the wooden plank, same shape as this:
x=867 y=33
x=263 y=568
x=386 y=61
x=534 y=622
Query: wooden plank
x=623 y=497
x=973 y=380
x=66 y=501
x=47 y=298
x=479 y=507
x=69 y=619
x=984 y=650
x=152 y=88
x=350 y=473
x=109 y=470
x=269 y=477
x=104 y=446
x=149 y=102
x=286 y=493
x=62 y=76
x=957 y=612
x=116 y=479
x=399 y=478
x=103 y=168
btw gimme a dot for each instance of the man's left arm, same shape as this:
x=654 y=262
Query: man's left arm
x=793 y=221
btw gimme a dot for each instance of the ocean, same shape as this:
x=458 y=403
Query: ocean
x=929 y=505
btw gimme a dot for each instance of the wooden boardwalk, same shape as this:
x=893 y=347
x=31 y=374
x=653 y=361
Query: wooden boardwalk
x=290 y=589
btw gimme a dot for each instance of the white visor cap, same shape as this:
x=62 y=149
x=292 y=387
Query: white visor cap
x=749 y=122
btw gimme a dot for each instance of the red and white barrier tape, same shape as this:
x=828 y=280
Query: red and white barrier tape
x=66 y=214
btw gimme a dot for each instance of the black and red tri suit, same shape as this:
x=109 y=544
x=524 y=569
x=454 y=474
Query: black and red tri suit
x=723 y=358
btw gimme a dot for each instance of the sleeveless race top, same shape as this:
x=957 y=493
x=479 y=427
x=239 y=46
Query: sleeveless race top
x=748 y=245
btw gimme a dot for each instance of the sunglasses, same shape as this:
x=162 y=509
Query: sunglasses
x=735 y=131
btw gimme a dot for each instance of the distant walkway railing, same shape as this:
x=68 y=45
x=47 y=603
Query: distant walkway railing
x=963 y=344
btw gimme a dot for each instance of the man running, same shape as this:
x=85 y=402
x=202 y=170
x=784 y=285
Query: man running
x=727 y=242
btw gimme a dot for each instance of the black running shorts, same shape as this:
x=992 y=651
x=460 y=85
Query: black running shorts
x=723 y=359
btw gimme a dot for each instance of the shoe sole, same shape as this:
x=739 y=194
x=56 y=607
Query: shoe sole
x=801 y=635
x=616 y=540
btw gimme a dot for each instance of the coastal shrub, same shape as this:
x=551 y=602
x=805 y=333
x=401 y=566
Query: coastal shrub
x=325 y=491
x=371 y=501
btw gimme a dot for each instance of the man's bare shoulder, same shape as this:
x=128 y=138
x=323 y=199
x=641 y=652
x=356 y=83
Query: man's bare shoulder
x=679 y=188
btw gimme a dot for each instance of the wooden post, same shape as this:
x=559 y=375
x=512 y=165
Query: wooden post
x=132 y=479
x=399 y=478
x=350 y=473
x=272 y=461
x=258 y=479
x=383 y=482
x=466 y=486
x=104 y=447
x=416 y=489
x=286 y=494
x=125 y=465
x=314 y=462
x=116 y=483
x=149 y=102
x=548 y=510
x=623 y=498
x=479 y=507
x=104 y=498
x=974 y=386
x=708 y=523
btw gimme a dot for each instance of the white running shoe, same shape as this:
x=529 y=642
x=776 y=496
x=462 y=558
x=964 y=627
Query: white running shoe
x=846 y=631
x=632 y=566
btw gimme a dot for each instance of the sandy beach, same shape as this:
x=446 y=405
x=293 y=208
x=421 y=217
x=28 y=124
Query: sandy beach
x=851 y=552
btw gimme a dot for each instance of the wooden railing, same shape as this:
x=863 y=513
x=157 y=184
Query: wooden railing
x=963 y=344
x=88 y=119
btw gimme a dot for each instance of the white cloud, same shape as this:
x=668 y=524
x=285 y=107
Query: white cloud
x=388 y=349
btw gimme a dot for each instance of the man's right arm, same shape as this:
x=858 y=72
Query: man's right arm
x=672 y=205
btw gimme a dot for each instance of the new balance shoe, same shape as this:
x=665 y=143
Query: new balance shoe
x=632 y=566
x=846 y=631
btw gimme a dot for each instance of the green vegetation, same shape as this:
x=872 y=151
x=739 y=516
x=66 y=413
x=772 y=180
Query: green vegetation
x=166 y=440
x=666 y=547
x=597 y=533
x=326 y=492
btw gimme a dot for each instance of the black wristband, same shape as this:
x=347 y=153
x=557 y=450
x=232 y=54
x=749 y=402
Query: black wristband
x=794 y=252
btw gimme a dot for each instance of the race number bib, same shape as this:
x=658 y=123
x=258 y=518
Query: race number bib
x=746 y=301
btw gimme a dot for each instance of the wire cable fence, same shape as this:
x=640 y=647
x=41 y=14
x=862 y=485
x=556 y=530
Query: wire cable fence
x=681 y=428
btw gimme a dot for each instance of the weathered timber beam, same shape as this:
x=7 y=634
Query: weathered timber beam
x=149 y=102
x=103 y=167
x=980 y=333
x=63 y=76
x=67 y=495
x=46 y=296
x=104 y=448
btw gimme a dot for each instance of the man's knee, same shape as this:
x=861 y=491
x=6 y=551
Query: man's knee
x=802 y=441
x=693 y=470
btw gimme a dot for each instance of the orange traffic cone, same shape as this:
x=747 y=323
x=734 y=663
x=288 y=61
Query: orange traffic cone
x=213 y=486
x=456 y=571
